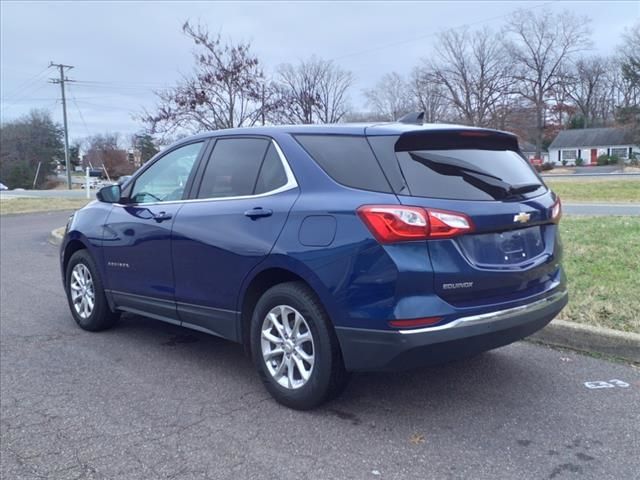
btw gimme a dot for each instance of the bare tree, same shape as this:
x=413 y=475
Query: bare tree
x=628 y=110
x=586 y=86
x=364 y=117
x=604 y=108
x=429 y=95
x=226 y=89
x=630 y=61
x=104 y=151
x=332 y=92
x=391 y=97
x=473 y=72
x=560 y=108
x=299 y=88
x=313 y=91
x=539 y=44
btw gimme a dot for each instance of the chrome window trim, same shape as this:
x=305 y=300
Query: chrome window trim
x=291 y=184
x=491 y=316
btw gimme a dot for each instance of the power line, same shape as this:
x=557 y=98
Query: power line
x=427 y=35
x=123 y=88
x=40 y=99
x=112 y=107
x=25 y=85
x=51 y=105
x=24 y=97
x=73 y=97
x=132 y=84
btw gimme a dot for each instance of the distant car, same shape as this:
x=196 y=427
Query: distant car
x=327 y=249
x=92 y=184
x=124 y=179
x=97 y=184
x=3 y=187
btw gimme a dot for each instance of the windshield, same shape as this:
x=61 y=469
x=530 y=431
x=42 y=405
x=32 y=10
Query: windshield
x=469 y=174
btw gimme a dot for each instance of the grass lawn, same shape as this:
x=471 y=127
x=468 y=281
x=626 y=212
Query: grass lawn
x=28 y=205
x=602 y=261
x=596 y=190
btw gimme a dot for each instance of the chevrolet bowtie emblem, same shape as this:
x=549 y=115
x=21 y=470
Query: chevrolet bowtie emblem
x=522 y=217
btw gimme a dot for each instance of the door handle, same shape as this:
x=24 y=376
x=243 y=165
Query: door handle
x=258 y=212
x=162 y=216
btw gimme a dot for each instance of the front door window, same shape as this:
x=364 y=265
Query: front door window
x=165 y=180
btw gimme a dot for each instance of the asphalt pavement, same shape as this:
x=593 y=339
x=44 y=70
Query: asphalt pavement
x=151 y=400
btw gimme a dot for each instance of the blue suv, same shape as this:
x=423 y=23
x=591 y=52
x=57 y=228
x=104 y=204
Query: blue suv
x=326 y=249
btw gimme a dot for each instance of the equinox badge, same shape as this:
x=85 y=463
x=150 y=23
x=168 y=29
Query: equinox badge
x=522 y=217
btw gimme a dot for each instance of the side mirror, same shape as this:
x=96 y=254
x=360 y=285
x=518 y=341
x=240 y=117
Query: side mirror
x=109 y=194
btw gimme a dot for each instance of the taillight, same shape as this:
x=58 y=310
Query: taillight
x=444 y=224
x=390 y=223
x=395 y=224
x=556 y=211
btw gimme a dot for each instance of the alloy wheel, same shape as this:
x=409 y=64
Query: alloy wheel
x=82 y=290
x=287 y=347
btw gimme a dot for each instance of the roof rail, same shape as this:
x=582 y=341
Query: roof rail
x=413 y=118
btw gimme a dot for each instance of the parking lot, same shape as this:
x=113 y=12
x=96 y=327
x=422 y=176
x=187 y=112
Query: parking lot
x=151 y=400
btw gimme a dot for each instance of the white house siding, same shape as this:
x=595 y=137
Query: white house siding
x=585 y=153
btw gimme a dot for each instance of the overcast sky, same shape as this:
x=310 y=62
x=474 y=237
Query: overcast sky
x=129 y=48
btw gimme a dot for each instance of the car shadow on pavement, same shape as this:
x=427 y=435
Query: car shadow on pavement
x=495 y=379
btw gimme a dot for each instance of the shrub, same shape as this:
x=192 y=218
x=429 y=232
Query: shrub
x=614 y=160
x=20 y=175
x=50 y=183
x=546 y=166
x=603 y=159
x=564 y=162
x=579 y=161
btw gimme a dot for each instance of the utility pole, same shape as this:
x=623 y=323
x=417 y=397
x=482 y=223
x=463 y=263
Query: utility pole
x=61 y=68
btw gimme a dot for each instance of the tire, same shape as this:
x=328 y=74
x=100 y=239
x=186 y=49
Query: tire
x=327 y=377
x=100 y=316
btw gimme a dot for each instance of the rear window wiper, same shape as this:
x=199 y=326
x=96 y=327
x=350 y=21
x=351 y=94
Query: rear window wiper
x=523 y=188
x=491 y=184
x=450 y=166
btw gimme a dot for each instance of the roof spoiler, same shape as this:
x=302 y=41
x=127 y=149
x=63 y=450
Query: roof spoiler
x=456 y=138
x=414 y=118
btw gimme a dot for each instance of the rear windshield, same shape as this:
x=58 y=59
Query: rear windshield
x=459 y=174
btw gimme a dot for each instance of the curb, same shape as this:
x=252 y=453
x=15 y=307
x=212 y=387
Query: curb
x=56 y=235
x=585 y=338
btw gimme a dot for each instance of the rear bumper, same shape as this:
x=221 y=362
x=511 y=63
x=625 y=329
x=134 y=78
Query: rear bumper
x=373 y=350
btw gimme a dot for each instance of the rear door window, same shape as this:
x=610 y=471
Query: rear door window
x=233 y=167
x=272 y=175
x=349 y=160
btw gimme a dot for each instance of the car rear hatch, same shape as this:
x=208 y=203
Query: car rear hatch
x=510 y=249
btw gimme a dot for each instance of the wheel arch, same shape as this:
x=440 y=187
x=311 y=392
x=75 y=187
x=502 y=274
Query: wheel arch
x=72 y=246
x=75 y=241
x=273 y=273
